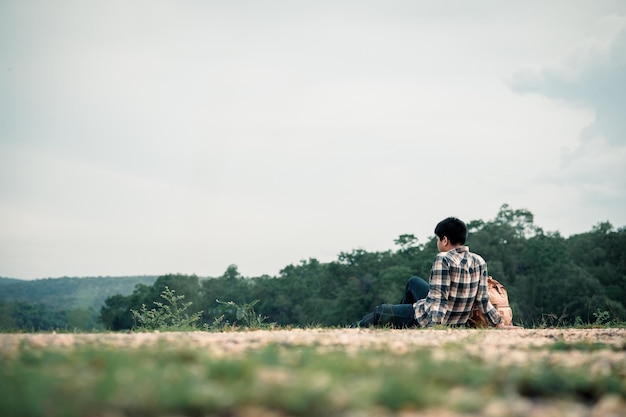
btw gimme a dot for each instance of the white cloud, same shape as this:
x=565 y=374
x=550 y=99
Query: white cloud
x=152 y=137
x=592 y=74
x=590 y=173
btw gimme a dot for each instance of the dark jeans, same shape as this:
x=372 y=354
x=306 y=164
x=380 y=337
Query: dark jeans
x=398 y=315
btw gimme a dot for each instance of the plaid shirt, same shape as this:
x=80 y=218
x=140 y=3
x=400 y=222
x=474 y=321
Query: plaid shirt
x=458 y=278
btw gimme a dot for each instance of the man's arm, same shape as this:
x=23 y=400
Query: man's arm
x=439 y=290
x=483 y=300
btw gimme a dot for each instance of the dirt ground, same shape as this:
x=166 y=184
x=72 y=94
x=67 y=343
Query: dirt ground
x=490 y=342
x=507 y=347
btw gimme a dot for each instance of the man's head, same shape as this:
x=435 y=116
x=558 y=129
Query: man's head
x=451 y=231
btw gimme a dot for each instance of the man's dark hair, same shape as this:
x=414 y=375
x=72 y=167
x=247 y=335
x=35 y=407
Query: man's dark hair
x=454 y=229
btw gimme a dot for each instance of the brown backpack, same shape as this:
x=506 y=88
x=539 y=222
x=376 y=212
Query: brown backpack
x=500 y=300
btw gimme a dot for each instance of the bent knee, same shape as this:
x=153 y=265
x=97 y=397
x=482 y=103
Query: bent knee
x=417 y=280
x=414 y=280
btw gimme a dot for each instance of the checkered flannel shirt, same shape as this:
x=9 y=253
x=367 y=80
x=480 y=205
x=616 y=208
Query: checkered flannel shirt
x=458 y=278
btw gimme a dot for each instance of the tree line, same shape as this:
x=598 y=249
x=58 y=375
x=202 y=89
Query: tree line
x=551 y=280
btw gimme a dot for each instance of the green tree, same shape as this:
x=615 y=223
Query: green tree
x=37 y=317
x=82 y=319
x=602 y=253
x=185 y=285
x=115 y=314
x=230 y=286
x=6 y=316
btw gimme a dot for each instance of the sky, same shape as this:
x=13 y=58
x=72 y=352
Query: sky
x=155 y=137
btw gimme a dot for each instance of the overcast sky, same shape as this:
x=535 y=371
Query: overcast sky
x=153 y=137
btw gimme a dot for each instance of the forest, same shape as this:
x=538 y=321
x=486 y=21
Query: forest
x=60 y=303
x=551 y=281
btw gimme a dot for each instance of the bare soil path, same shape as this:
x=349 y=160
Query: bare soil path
x=492 y=342
x=594 y=350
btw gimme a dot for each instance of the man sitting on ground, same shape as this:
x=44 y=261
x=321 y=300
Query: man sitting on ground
x=458 y=279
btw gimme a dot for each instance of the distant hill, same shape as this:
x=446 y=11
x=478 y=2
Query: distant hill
x=70 y=293
x=9 y=281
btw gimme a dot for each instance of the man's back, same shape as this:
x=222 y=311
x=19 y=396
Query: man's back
x=455 y=280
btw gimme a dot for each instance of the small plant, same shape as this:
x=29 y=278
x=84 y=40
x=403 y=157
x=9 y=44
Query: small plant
x=603 y=318
x=170 y=315
x=244 y=315
x=547 y=320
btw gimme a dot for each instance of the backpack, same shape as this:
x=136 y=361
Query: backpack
x=500 y=300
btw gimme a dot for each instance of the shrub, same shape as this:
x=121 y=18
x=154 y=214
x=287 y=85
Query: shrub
x=168 y=315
